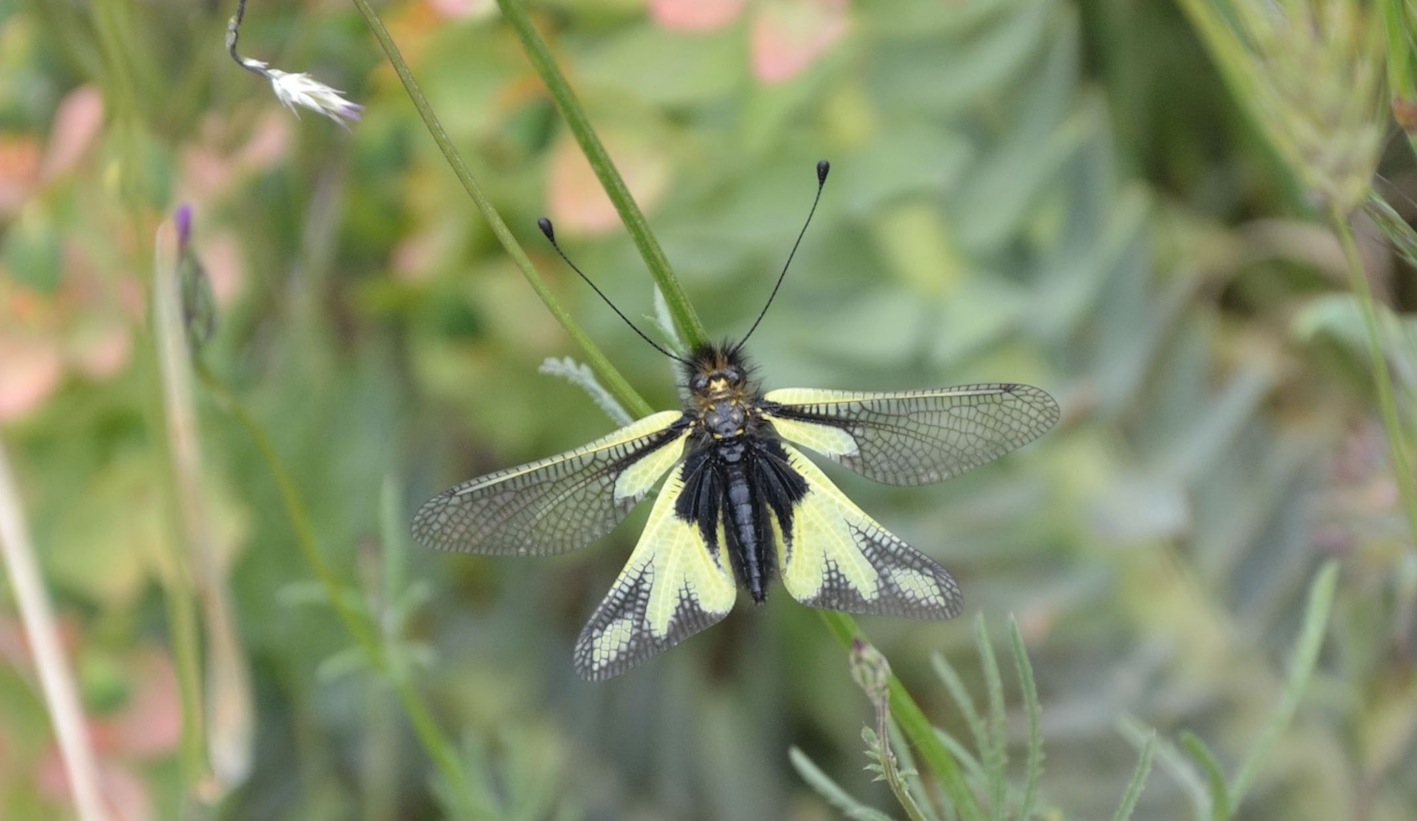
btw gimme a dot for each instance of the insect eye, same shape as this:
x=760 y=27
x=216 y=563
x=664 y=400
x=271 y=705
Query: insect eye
x=733 y=376
x=698 y=383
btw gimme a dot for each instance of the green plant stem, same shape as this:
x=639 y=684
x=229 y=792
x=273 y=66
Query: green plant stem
x=891 y=771
x=597 y=360
x=439 y=748
x=1397 y=440
x=174 y=414
x=685 y=318
x=914 y=724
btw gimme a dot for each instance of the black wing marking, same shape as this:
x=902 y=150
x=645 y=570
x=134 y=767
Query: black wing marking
x=836 y=557
x=557 y=504
x=912 y=437
x=676 y=583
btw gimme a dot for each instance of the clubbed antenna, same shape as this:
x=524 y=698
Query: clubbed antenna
x=823 y=168
x=550 y=231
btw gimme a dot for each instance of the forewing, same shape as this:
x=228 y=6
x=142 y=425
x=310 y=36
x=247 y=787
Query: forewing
x=836 y=557
x=676 y=583
x=913 y=437
x=557 y=504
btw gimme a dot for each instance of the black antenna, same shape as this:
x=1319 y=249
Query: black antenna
x=550 y=231
x=822 y=168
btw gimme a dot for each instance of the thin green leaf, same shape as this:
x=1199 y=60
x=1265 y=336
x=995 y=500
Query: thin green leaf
x=995 y=750
x=830 y=790
x=1175 y=762
x=963 y=701
x=973 y=769
x=1220 y=800
x=1139 y=776
x=1034 y=763
x=1399 y=233
x=1301 y=668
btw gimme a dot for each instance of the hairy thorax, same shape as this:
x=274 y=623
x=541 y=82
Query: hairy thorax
x=722 y=395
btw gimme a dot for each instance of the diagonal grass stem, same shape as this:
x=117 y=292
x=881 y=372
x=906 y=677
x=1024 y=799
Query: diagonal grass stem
x=687 y=320
x=597 y=360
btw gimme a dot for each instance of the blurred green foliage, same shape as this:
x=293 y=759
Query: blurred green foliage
x=1058 y=193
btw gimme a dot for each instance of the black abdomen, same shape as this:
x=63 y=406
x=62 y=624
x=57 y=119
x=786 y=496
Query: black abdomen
x=741 y=483
x=745 y=520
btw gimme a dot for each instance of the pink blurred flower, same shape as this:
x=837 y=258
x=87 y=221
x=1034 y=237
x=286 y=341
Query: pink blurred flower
x=221 y=255
x=695 y=15
x=148 y=726
x=211 y=166
x=150 y=723
x=25 y=166
x=86 y=326
x=19 y=170
x=575 y=198
x=463 y=9
x=100 y=347
x=76 y=126
x=789 y=35
x=786 y=36
x=124 y=794
x=31 y=369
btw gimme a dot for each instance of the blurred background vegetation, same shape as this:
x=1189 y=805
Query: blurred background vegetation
x=1135 y=205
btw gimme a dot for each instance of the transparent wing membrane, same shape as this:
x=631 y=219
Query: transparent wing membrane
x=913 y=437
x=557 y=504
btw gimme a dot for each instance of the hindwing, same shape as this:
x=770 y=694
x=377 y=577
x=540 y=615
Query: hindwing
x=832 y=555
x=677 y=582
x=557 y=504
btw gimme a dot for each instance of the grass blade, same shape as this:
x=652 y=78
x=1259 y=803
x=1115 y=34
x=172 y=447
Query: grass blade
x=1034 y=763
x=830 y=790
x=995 y=749
x=1220 y=800
x=1175 y=762
x=1139 y=776
x=1301 y=668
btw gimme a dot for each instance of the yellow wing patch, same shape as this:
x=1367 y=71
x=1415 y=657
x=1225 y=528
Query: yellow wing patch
x=836 y=557
x=637 y=479
x=674 y=585
x=824 y=439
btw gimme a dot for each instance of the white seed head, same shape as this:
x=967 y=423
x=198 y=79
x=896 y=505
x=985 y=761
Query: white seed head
x=298 y=91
